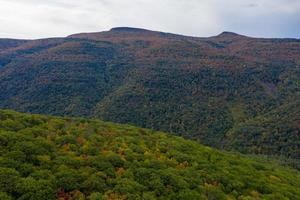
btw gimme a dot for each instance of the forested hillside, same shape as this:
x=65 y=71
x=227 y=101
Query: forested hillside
x=229 y=91
x=43 y=157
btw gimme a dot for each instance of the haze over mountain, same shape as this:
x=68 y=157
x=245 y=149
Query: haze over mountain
x=228 y=91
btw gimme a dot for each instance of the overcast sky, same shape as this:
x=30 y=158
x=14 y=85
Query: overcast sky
x=50 y=18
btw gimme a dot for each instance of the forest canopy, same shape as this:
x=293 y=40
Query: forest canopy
x=43 y=157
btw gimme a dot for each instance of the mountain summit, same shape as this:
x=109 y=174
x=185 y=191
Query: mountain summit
x=230 y=35
x=128 y=29
x=227 y=33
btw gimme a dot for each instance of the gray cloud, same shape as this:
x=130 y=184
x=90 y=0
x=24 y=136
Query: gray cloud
x=50 y=18
x=252 y=5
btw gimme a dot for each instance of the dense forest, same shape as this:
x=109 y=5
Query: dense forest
x=44 y=157
x=229 y=91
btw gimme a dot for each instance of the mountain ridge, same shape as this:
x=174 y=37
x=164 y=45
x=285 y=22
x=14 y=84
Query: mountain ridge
x=143 y=30
x=199 y=88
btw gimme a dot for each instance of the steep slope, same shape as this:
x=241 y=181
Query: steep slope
x=201 y=88
x=6 y=44
x=275 y=131
x=44 y=157
x=10 y=43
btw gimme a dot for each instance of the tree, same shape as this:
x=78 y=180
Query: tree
x=68 y=178
x=96 y=196
x=8 y=180
x=94 y=183
x=5 y=196
x=33 y=189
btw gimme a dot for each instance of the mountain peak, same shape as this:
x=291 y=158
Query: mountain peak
x=229 y=34
x=128 y=29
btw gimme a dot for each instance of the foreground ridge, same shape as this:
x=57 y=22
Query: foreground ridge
x=45 y=157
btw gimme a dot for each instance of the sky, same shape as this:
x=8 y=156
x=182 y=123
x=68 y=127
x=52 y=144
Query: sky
x=30 y=19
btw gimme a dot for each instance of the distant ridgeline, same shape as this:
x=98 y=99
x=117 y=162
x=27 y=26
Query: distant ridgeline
x=229 y=91
x=45 y=158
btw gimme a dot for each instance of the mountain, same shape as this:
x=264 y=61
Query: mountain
x=45 y=157
x=229 y=91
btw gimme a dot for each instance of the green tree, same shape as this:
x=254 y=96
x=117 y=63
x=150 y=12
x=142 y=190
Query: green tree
x=5 y=196
x=33 y=189
x=95 y=183
x=8 y=180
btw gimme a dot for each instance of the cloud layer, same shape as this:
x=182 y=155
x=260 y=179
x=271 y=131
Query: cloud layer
x=51 y=18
